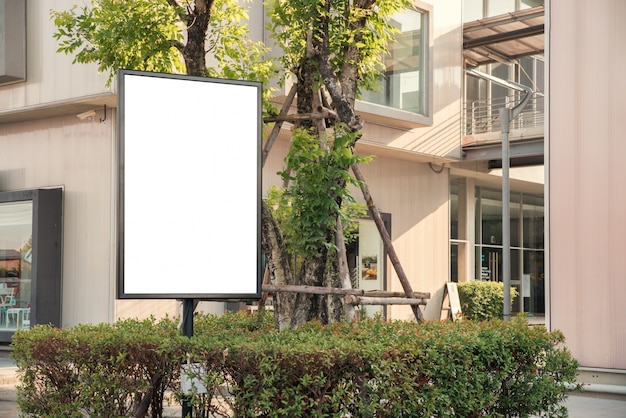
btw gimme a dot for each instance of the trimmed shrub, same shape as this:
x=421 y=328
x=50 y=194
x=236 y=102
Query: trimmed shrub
x=370 y=368
x=483 y=300
x=97 y=370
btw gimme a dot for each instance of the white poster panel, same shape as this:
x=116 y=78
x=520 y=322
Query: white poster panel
x=189 y=187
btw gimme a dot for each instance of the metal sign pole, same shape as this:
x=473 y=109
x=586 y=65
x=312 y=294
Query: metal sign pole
x=506 y=213
x=188 y=309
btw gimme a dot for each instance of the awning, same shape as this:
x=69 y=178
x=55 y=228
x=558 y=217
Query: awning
x=505 y=37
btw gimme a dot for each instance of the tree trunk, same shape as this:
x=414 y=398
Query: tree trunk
x=308 y=306
x=280 y=271
x=197 y=21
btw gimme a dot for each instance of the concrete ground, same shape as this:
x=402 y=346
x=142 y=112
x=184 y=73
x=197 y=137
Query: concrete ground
x=580 y=405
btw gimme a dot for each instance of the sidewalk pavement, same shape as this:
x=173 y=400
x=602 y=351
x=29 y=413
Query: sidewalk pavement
x=580 y=405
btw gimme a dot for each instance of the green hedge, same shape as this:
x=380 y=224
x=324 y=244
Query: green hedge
x=483 y=300
x=97 y=370
x=371 y=368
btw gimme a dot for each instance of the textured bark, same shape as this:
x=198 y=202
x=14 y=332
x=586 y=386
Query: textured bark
x=305 y=91
x=308 y=306
x=342 y=89
x=278 y=263
x=196 y=17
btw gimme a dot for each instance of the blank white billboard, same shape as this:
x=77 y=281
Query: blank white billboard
x=190 y=187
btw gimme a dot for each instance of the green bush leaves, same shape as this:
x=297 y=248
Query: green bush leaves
x=482 y=300
x=369 y=368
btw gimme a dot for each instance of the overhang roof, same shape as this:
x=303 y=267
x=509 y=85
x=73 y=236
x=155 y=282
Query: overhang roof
x=505 y=37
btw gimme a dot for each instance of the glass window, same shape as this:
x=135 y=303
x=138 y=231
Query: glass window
x=454 y=208
x=31 y=225
x=533 y=222
x=500 y=7
x=12 y=41
x=402 y=85
x=533 y=284
x=371 y=261
x=527 y=4
x=527 y=242
x=472 y=10
x=16 y=256
x=491 y=212
x=514 y=219
x=475 y=9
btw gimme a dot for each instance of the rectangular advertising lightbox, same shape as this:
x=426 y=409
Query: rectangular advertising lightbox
x=189 y=153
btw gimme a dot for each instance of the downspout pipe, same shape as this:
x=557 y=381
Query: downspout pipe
x=506 y=116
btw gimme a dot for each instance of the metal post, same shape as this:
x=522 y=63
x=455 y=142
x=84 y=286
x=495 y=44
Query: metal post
x=506 y=115
x=188 y=309
x=505 y=119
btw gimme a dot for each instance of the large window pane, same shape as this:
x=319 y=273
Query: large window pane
x=500 y=7
x=16 y=240
x=402 y=83
x=533 y=222
x=514 y=219
x=526 y=4
x=491 y=212
x=472 y=10
x=533 y=284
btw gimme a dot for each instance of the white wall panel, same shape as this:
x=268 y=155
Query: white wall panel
x=586 y=178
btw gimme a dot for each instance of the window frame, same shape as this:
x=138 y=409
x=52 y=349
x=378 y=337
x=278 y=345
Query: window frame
x=384 y=114
x=13 y=47
x=47 y=236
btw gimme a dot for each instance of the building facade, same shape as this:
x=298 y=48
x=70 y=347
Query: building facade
x=433 y=130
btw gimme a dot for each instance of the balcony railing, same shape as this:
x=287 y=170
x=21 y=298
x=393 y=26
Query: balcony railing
x=483 y=117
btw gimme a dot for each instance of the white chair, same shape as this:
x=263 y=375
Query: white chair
x=7 y=300
x=26 y=318
x=14 y=317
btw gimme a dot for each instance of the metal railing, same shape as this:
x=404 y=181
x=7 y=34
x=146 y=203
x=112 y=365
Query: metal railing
x=483 y=116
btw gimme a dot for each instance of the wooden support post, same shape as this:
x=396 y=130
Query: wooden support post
x=344 y=271
x=365 y=300
x=279 y=123
x=321 y=290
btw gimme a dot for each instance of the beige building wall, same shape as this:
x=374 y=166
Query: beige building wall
x=587 y=176
x=417 y=197
x=51 y=77
x=76 y=156
x=39 y=148
x=44 y=144
x=439 y=134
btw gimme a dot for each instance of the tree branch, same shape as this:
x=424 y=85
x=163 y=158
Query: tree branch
x=177 y=8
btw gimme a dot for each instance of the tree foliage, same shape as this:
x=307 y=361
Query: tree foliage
x=139 y=35
x=349 y=35
x=154 y=35
x=332 y=48
x=317 y=189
